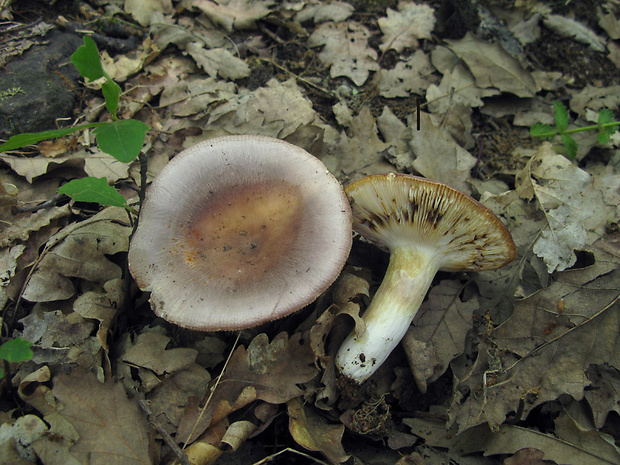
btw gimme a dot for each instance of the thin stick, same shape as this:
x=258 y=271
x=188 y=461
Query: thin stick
x=155 y=423
x=288 y=449
x=217 y=382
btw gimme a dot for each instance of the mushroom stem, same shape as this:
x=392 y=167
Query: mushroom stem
x=393 y=308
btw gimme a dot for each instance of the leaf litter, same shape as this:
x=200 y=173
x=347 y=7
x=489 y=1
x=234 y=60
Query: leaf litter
x=517 y=365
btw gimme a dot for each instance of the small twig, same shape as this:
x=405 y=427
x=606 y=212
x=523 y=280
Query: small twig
x=47 y=204
x=155 y=423
x=288 y=449
x=297 y=76
x=479 y=157
x=217 y=382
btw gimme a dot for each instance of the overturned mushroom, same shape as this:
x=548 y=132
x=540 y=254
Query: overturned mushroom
x=426 y=226
x=237 y=231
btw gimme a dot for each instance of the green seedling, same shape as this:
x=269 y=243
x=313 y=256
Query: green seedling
x=123 y=139
x=605 y=126
x=15 y=350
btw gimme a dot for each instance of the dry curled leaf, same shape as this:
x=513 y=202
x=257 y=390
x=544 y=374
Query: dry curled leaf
x=314 y=433
x=270 y=371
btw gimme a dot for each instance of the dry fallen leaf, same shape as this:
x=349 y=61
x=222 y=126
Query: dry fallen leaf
x=431 y=151
x=345 y=50
x=79 y=251
x=277 y=109
x=413 y=75
x=404 y=27
x=218 y=61
x=149 y=351
x=360 y=151
x=492 y=66
x=111 y=428
x=509 y=439
x=141 y=10
x=270 y=371
x=438 y=334
x=545 y=348
x=567 y=27
x=314 y=433
x=234 y=14
x=576 y=212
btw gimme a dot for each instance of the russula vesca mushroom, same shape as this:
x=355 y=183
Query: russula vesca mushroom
x=426 y=226
x=239 y=230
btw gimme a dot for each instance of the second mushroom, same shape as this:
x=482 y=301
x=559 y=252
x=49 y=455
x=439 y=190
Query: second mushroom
x=426 y=226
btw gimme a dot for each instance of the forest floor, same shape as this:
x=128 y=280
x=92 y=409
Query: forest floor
x=519 y=365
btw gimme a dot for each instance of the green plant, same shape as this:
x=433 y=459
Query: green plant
x=123 y=139
x=605 y=126
x=14 y=350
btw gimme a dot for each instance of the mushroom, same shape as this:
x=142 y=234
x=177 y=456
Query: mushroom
x=426 y=226
x=239 y=230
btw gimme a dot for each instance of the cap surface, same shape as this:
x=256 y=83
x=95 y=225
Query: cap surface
x=397 y=210
x=239 y=230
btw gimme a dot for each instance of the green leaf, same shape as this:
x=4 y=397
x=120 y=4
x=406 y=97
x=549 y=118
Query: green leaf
x=542 y=130
x=29 y=138
x=95 y=190
x=112 y=93
x=16 y=350
x=605 y=116
x=86 y=60
x=122 y=139
x=604 y=134
x=570 y=145
x=561 y=117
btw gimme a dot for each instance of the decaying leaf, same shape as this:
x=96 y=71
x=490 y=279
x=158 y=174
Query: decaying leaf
x=22 y=432
x=61 y=339
x=110 y=427
x=79 y=251
x=170 y=396
x=595 y=98
x=195 y=93
x=456 y=87
x=266 y=371
x=575 y=212
x=510 y=439
x=404 y=27
x=345 y=50
x=545 y=349
x=413 y=75
x=492 y=66
x=234 y=14
x=314 y=433
x=360 y=151
x=438 y=335
x=149 y=351
x=431 y=151
x=218 y=61
x=320 y=12
x=278 y=110
x=567 y=27
x=141 y=10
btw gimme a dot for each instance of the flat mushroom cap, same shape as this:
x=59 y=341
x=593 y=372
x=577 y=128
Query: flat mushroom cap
x=397 y=210
x=239 y=230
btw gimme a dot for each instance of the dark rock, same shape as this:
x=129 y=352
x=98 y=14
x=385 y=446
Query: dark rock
x=40 y=86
